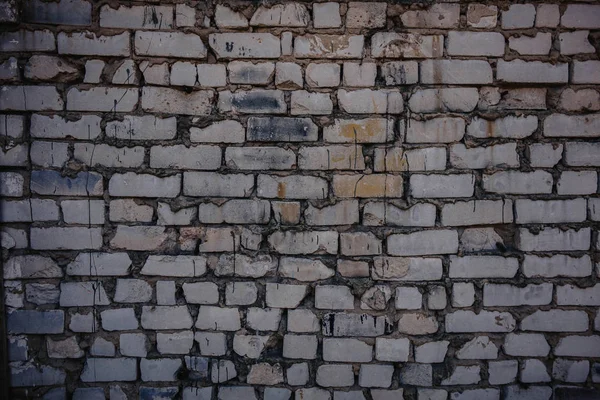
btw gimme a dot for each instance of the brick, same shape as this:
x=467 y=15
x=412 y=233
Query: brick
x=406 y=269
x=408 y=298
x=367 y=101
x=396 y=350
x=109 y=156
x=102 y=99
x=99 y=264
x=485 y=321
x=551 y=211
x=545 y=155
x=501 y=155
x=477 y=212
x=377 y=213
x=169 y=44
x=370 y=130
x=483 y=267
x=12 y=125
x=326 y=15
x=335 y=375
x=581 y=16
x=344 y=212
x=585 y=72
x=166 y=317
x=227 y=18
x=167 y=100
x=25 y=40
x=549 y=239
x=89 y=44
x=127 y=210
x=441 y=186
x=556 y=321
x=329 y=46
x=331 y=158
x=139 y=237
x=211 y=75
x=515 y=182
x=74 y=238
x=136 y=185
x=416 y=374
x=359 y=75
x=456 y=72
x=499 y=295
x=518 y=16
x=556 y=265
x=425 y=159
x=219 y=132
x=284 y=296
x=49 y=68
x=30 y=98
x=307 y=242
x=12 y=184
x=31 y=267
x=81 y=294
x=89 y=212
x=482 y=16
x=561 y=125
x=540 y=44
x=575 y=42
x=236 y=212
x=289 y=15
x=423 y=243
x=365 y=186
x=447 y=99
x=300 y=347
x=35 y=322
x=292 y=187
x=400 y=72
x=247 y=73
x=573 y=295
x=29 y=374
x=435 y=130
x=303 y=102
x=268 y=319
x=432 y=352
x=547 y=16
x=137 y=17
x=69 y=12
x=288 y=75
x=359 y=243
x=519 y=71
x=475 y=44
x=182 y=157
x=277 y=129
x=347 y=350
x=222 y=371
x=582 y=154
x=578 y=346
x=366 y=15
x=406 y=45
x=253 y=102
x=323 y=75
x=243 y=45
x=212 y=184
x=349 y=324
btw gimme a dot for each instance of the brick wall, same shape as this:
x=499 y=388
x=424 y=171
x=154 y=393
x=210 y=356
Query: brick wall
x=316 y=201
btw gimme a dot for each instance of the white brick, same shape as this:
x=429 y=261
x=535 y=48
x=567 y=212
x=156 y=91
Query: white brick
x=516 y=182
x=475 y=44
x=550 y=211
x=423 y=243
x=554 y=239
x=442 y=186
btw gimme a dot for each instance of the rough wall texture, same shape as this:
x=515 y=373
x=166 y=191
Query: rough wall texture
x=301 y=200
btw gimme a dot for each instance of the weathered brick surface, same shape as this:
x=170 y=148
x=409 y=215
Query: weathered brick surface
x=339 y=200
